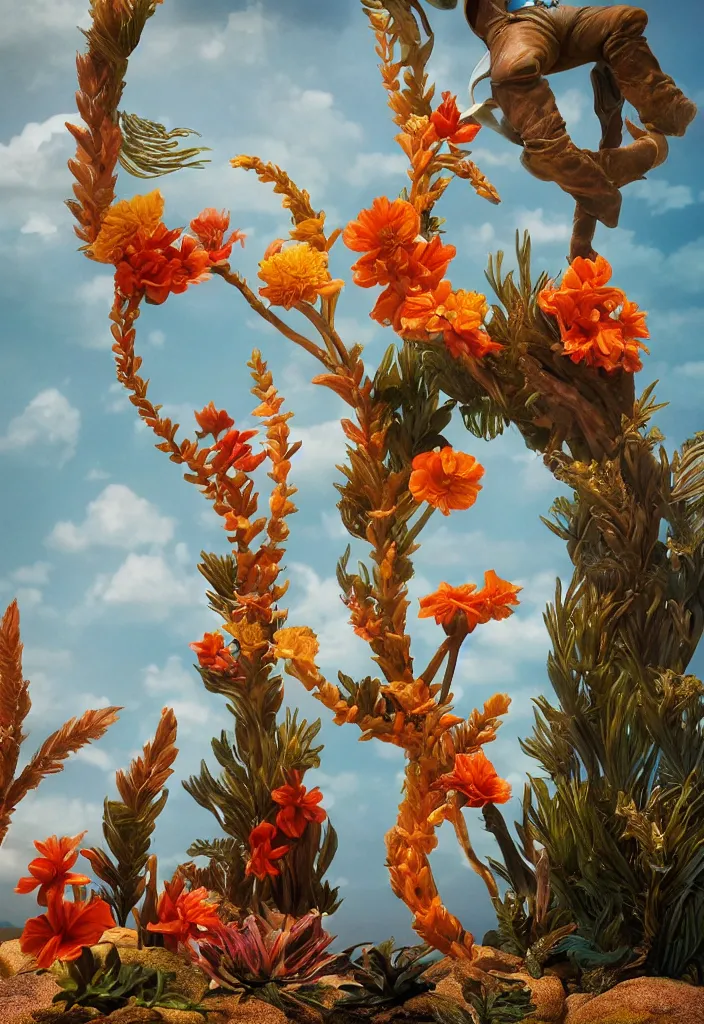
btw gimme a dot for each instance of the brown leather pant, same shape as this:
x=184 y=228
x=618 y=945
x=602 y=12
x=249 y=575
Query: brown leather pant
x=539 y=41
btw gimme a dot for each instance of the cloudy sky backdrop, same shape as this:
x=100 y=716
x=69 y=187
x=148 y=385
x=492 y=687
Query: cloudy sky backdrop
x=102 y=534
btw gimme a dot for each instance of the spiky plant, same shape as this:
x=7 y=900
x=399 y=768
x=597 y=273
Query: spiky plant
x=621 y=813
x=506 y=1002
x=269 y=957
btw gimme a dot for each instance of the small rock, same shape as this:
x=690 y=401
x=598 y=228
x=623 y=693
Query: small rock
x=120 y=936
x=642 y=1001
x=488 y=959
x=13 y=960
x=23 y=993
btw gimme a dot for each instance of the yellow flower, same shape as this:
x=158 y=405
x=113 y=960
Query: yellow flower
x=296 y=643
x=249 y=635
x=298 y=274
x=123 y=220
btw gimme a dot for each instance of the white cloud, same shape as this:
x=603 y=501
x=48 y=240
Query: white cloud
x=691 y=369
x=94 y=299
x=28 y=162
x=27 y=22
x=156 y=338
x=660 y=196
x=98 y=291
x=36 y=574
x=49 y=419
x=177 y=412
x=380 y=165
x=97 y=474
x=117 y=399
x=323 y=448
x=571 y=105
x=146 y=583
x=542 y=228
x=39 y=224
x=117 y=518
x=182 y=687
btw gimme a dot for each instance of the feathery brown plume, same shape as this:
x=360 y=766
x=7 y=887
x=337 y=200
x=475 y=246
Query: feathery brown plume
x=128 y=825
x=14 y=706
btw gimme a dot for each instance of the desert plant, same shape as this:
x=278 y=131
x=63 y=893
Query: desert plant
x=14 y=708
x=111 y=985
x=128 y=824
x=269 y=957
x=505 y=1002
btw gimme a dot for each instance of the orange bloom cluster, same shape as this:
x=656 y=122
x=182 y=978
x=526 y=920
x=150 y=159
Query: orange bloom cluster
x=66 y=928
x=416 y=301
x=213 y=653
x=598 y=325
x=183 y=915
x=446 y=122
x=213 y=421
x=134 y=238
x=233 y=452
x=478 y=606
x=446 y=479
x=297 y=274
x=297 y=808
x=475 y=777
x=209 y=227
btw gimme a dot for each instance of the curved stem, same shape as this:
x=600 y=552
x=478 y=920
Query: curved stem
x=326 y=331
x=460 y=826
x=259 y=307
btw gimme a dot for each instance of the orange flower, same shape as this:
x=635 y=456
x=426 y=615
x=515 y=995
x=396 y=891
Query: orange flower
x=52 y=871
x=65 y=929
x=446 y=122
x=262 y=855
x=213 y=421
x=209 y=227
x=183 y=915
x=153 y=265
x=476 y=778
x=598 y=325
x=479 y=606
x=385 y=232
x=123 y=221
x=213 y=653
x=233 y=452
x=446 y=479
x=297 y=806
x=297 y=274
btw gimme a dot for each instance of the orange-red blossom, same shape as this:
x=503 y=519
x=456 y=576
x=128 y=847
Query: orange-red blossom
x=475 y=777
x=478 y=606
x=598 y=324
x=262 y=853
x=183 y=915
x=52 y=871
x=134 y=238
x=213 y=653
x=297 y=806
x=416 y=302
x=65 y=929
x=446 y=122
x=446 y=479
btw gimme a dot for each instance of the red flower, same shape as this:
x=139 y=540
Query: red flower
x=476 y=778
x=213 y=653
x=260 y=863
x=233 y=452
x=297 y=806
x=209 y=227
x=52 y=871
x=152 y=264
x=213 y=421
x=182 y=915
x=446 y=122
x=65 y=929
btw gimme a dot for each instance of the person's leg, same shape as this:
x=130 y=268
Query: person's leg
x=521 y=53
x=615 y=35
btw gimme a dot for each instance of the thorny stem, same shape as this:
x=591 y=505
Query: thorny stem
x=462 y=834
x=259 y=307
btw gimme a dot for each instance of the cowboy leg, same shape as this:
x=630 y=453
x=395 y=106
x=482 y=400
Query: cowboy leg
x=519 y=54
x=615 y=34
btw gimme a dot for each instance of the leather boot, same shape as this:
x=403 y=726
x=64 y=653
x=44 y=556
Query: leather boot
x=625 y=164
x=550 y=154
x=660 y=104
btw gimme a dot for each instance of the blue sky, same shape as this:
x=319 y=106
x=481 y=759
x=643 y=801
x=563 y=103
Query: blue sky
x=102 y=534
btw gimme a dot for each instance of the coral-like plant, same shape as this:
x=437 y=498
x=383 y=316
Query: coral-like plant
x=128 y=824
x=14 y=708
